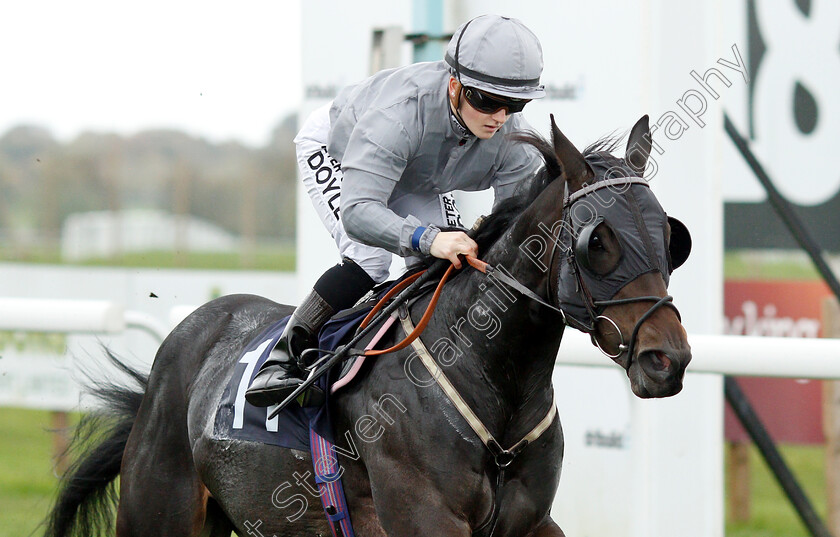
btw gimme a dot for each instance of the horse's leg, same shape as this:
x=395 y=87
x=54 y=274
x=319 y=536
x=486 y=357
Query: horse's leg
x=160 y=492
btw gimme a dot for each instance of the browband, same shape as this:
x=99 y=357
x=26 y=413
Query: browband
x=588 y=189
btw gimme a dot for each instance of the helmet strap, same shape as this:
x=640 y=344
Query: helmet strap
x=456 y=109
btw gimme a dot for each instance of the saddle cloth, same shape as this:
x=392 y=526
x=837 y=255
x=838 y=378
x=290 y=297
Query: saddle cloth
x=236 y=418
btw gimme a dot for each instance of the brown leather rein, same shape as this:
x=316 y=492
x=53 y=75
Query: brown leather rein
x=424 y=321
x=477 y=264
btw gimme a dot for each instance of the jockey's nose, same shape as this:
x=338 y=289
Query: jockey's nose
x=500 y=115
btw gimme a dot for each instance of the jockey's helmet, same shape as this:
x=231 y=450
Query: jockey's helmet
x=498 y=55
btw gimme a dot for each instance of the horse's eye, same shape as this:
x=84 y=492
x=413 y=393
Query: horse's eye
x=597 y=248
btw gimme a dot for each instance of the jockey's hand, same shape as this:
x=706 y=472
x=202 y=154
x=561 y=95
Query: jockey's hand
x=450 y=244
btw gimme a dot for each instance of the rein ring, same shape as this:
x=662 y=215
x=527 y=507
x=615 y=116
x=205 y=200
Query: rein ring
x=622 y=347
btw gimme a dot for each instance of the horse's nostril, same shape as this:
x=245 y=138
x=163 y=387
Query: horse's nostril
x=660 y=361
x=656 y=362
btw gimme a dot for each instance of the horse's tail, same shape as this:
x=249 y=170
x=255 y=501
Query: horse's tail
x=87 y=496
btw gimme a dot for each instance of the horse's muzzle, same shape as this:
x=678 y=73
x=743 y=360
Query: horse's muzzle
x=661 y=371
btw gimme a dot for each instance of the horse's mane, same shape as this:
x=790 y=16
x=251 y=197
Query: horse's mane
x=598 y=155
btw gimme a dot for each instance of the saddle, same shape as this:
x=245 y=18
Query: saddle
x=236 y=418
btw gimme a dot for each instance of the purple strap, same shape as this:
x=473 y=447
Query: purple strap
x=328 y=478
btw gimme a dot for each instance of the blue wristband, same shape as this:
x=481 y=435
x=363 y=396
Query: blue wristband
x=415 y=238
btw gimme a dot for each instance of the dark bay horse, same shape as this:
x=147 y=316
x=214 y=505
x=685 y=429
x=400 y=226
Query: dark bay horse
x=587 y=238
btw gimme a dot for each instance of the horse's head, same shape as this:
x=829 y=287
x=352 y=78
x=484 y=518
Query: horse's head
x=618 y=249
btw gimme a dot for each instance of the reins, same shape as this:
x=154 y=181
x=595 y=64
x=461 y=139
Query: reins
x=424 y=321
x=493 y=272
x=479 y=265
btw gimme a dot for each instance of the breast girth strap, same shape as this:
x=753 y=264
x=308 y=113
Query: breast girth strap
x=502 y=457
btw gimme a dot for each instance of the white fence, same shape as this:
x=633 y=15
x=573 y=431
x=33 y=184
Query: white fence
x=45 y=378
x=742 y=356
x=55 y=320
x=75 y=316
x=724 y=355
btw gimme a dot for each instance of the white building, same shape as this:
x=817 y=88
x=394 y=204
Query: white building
x=106 y=233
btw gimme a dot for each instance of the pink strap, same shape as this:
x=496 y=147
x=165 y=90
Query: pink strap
x=345 y=380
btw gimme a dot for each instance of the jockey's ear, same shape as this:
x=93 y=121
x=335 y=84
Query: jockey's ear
x=638 y=146
x=454 y=87
x=576 y=172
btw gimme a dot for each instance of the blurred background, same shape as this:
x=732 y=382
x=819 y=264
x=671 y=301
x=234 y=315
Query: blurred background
x=157 y=129
x=147 y=166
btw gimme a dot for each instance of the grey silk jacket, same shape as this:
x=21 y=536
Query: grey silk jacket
x=395 y=135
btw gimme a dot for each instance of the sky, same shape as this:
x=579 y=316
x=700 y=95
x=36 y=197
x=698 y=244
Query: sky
x=218 y=70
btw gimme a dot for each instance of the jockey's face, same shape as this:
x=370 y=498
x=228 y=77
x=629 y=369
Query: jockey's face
x=484 y=126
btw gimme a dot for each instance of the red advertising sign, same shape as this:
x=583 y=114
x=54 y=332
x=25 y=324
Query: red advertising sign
x=790 y=409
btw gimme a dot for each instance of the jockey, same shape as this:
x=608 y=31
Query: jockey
x=379 y=164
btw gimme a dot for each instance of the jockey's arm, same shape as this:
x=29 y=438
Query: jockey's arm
x=368 y=220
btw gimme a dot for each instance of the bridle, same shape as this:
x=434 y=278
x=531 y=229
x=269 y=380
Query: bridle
x=592 y=305
x=568 y=320
x=629 y=347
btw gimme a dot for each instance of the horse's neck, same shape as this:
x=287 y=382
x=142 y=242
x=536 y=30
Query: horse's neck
x=509 y=342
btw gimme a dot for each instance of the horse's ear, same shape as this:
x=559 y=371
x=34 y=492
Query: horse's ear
x=638 y=146
x=576 y=172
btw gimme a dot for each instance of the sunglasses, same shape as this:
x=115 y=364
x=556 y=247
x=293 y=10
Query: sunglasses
x=490 y=104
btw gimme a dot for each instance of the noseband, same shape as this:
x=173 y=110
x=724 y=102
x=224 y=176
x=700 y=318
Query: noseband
x=629 y=347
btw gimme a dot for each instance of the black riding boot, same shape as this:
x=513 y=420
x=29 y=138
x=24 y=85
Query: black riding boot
x=283 y=371
x=337 y=289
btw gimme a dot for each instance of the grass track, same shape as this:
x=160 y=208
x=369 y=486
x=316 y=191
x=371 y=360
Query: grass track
x=27 y=482
x=771 y=514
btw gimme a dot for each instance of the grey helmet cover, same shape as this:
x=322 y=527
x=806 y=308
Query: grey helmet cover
x=499 y=55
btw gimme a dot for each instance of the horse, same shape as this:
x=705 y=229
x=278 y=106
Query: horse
x=411 y=464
